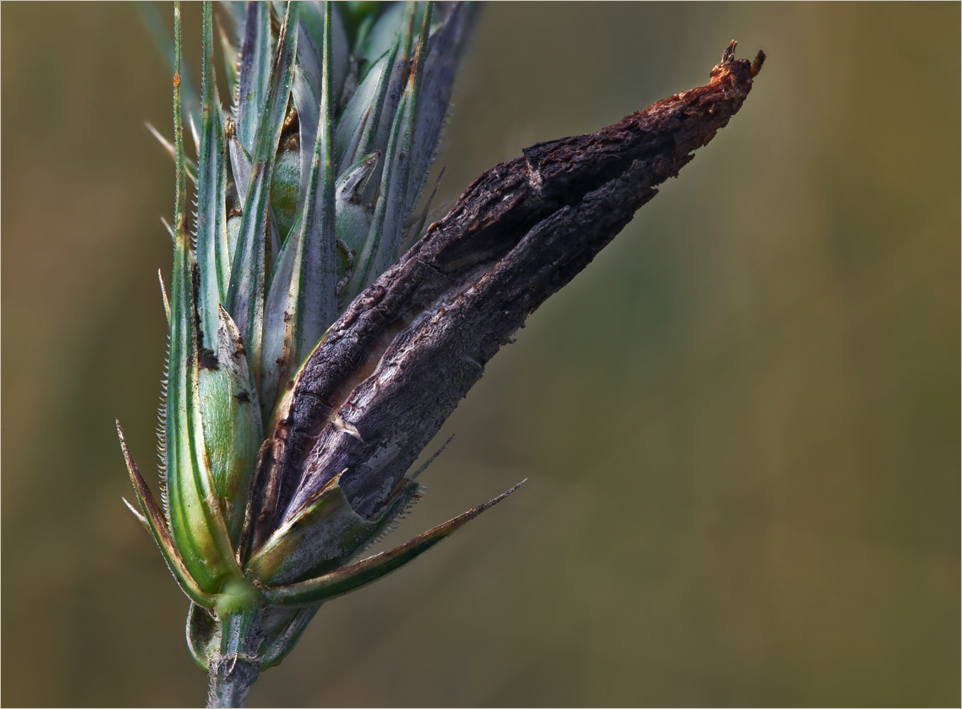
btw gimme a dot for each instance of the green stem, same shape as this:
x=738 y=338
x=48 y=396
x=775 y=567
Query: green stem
x=230 y=681
x=237 y=665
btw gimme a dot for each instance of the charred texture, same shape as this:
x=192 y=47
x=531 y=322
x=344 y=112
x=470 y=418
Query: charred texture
x=408 y=349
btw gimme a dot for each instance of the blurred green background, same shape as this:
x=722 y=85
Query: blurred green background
x=740 y=424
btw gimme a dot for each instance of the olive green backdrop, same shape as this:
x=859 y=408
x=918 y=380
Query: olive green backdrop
x=740 y=424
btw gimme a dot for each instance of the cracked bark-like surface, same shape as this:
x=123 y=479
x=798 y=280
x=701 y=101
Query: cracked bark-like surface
x=397 y=362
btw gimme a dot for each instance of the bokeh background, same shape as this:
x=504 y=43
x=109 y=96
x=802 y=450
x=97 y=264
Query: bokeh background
x=740 y=425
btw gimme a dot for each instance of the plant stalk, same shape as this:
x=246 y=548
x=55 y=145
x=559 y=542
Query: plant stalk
x=235 y=667
x=230 y=680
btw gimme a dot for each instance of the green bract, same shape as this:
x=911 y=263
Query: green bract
x=305 y=193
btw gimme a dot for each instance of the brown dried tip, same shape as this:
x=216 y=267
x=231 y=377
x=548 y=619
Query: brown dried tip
x=729 y=58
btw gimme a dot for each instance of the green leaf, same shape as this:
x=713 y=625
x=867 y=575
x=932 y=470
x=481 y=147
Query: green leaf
x=307 y=105
x=326 y=529
x=195 y=517
x=302 y=295
x=286 y=198
x=288 y=626
x=231 y=423
x=353 y=215
x=231 y=416
x=312 y=18
x=387 y=220
x=202 y=629
x=384 y=32
x=309 y=58
x=242 y=170
x=255 y=72
x=231 y=61
x=245 y=297
x=392 y=209
x=399 y=74
x=356 y=128
x=152 y=518
x=325 y=533
x=445 y=49
x=240 y=160
x=213 y=256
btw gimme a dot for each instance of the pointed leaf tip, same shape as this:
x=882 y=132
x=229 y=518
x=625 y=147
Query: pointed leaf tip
x=154 y=521
x=189 y=165
x=138 y=515
x=353 y=577
x=163 y=292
